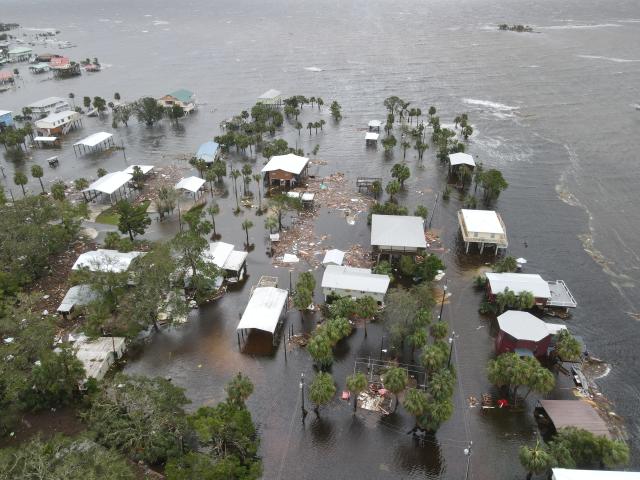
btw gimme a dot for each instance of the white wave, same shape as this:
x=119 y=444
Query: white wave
x=145 y=31
x=160 y=22
x=313 y=69
x=104 y=20
x=609 y=59
x=489 y=104
x=578 y=27
x=533 y=66
x=606 y=372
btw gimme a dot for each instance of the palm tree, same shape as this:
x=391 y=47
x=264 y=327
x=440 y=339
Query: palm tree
x=271 y=223
x=258 y=179
x=395 y=380
x=298 y=126
x=415 y=402
x=235 y=173
x=321 y=123
x=19 y=178
x=239 y=389
x=535 y=460
x=321 y=391
x=319 y=102
x=405 y=145
x=392 y=188
x=57 y=190
x=101 y=172
x=356 y=383
x=72 y=96
x=213 y=210
x=37 y=172
x=247 y=171
x=309 y=126
x=246 y=225
x=210 y=176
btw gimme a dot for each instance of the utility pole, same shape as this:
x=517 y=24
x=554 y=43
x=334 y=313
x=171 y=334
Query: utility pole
x=453 y=334
x=433 y=211
x=444 y=294
x=467 y=452
x=304 y=411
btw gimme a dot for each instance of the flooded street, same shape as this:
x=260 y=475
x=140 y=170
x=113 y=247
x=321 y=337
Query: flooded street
x=552 y=110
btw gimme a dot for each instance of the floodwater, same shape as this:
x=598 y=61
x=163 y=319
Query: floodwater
x=554 y=110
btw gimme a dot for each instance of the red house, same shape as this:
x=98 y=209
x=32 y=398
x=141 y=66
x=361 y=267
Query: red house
x=522 y=333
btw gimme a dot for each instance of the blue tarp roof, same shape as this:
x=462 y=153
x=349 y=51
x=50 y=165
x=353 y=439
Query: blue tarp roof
x=207 y=151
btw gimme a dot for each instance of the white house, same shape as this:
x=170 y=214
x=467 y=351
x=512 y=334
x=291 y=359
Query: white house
x=183 y=98
x=484 y=227
x=399 y=234
x=49 y=105
x=354 y=282
x=58 y=123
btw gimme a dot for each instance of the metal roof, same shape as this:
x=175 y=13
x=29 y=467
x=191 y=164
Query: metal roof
x=77 y=295
x=97 y=356
x=94 y=139
x=334 y=256
x=461 y=159
x=523 y=326
x=145 y=169
x=4 y=112
x=482 y=221
x=207 y=152
x=371 y=136
x=109 y=183
x=19 y=50
x=68 y=115
x=288 y=163
x=218 y=253
x=47 y=102
x=375 y=123
x=183 y=95
x=45 y=139
x=235 y=260
x=397 y=231
x=270 y=95
x=264 y=309
x=358 y=279
x=518 y=283
x=575 y=413
x=192 y=184
x=571 y=474
x=106 y=260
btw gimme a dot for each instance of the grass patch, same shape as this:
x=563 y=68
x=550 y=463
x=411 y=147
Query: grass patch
x=111 y=217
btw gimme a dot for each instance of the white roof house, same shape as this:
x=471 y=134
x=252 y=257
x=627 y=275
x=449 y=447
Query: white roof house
x=354 y=282
x=144 y=168
x=461 y=159
x=102 y=260
x=94 y=139
x=49 y=105
x=264 y=309
x=191 y=184
x=98 y=355
x=109 y=183
x=518 y=283
x=57 y=120
x=483 y=227
x=333 y=257
x=397 y=233
x=523 y=326
x=287 y=163
x=571 y=474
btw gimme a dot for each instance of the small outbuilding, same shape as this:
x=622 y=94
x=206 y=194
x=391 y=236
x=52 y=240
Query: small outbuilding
x=94 y=142
x=286 y=171
x=457 y=159
x=76 y=296
x=397 y=234
x=110 y=184
x=333 y=257
x=371 y=138
x=98 y=355
x=483 y=227
x=224 y=256
x=556 y=414
x=375 y=125
x=354 y=282
x=190 y=184
x=208 y=152
x=264 y=312
x=522 y=332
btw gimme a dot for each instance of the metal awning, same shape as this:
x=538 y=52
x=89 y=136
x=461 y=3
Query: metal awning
x=575 y=413
x=109 y=183
x=371 y=136
x=94 y=139
x=397 y=231
x=264 y=309
x=192 y=184
x=461 y=159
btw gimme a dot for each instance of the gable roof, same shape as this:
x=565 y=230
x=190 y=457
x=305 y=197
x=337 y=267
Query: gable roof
x=397 y=231
x=358 y=279
x=575 y=413
x=287 y=163
x=183 y=95
x=518 y=283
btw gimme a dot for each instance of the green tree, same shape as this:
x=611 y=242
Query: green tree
x=298 y=126
x=246 y=225
x=389 y=142
x=310 y=127
x=356 y=384
x=429 y=267
x=175 y=113
x=235 y=174
x=239 y=389
x=401 y=173
x=335 y=110
x=213 y=209
x=508 y=372
x=219 y=168
x=37 y=172
x=133 y=219
x=392 y=188
x=319 y=347
x=148 y=111
x=567 y=347
x=20 y=179
x=395 y=380
x=576 y=448
x=303 y=295
x=321 y=391
x=246 y=171
x=493 y=183
x=86 y=101
x=421 y=211
x=257 y=177
x=142 y=417
x=415 y=402
x=507 y=264
x=100 y=104
x=270 y=223
x=434 y=357
x=101 y=172
x=58 y=190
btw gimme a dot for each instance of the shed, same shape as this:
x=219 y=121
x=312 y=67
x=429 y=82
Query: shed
x=47 y=141
x=286 y=170
x=103 y=260
x=484 y=227
x=400 y=234
x=190 y=184
x=95 y=141
x=371 y=138
x=521 y=330
x=456 y=159
x=354 y=282
x=571 y=474
x=572 y=413
x=77 y=295
x=6 y=77
x=333 y=257
x=264 y=310
x=375 y=125
x=98 y=355
x=271 y=97
x=518 y=283
x=208 y=152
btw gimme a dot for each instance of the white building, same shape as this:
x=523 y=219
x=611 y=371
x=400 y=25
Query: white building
x=233 y=262
x=397 y=234
x=106 y=261
x=484 y=227
x=546 y=293
x=58 y=123
x=354 y=282
x=98 y=355
x=264 y=311
x=49 y=105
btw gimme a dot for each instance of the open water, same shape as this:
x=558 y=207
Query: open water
x=554 y=110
